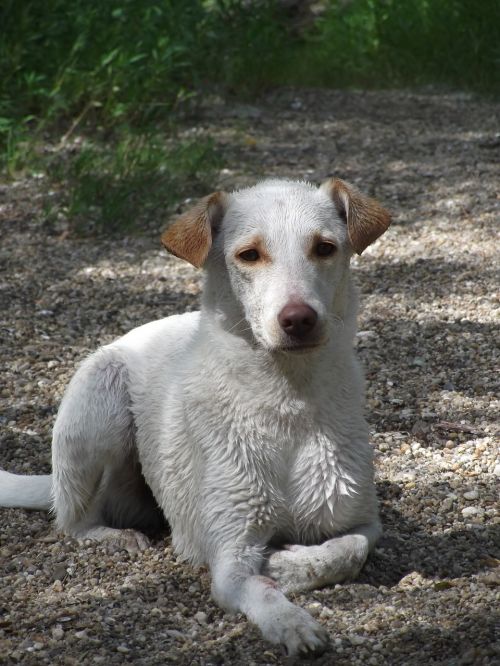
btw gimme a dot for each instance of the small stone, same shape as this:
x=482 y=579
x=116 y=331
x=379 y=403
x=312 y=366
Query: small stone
x=471 y=495
x=57 y=632
x=496 y=470
x=59 y=573
x=123 y=649
x=447 y=504
x=470 y=511
x=420 y=428
x=314 y=608
x=492 y=579
x=81 y=634
x=57 y=586
x=175 y=633
x=201 y=617
x=355 y=639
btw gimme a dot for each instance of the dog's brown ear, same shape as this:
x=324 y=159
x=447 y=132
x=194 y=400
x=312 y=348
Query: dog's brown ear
x=366 y=219
x=189 y=237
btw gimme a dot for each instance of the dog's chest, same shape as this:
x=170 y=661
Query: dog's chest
x=302 y=478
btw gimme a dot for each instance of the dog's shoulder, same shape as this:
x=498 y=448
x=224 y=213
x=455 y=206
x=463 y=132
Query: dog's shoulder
x=167 y=333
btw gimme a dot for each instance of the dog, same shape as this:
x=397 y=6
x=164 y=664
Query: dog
x=242 y=424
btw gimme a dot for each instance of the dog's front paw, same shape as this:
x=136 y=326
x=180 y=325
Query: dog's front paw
x=302 y=568
x=296 y=630
x=292 y=569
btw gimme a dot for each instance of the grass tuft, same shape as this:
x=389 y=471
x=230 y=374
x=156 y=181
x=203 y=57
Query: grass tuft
x=128 y=184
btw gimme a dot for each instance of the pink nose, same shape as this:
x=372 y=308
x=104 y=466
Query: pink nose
x=297 y=320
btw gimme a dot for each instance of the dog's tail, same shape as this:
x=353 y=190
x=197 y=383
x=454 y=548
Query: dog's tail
x=26 y=492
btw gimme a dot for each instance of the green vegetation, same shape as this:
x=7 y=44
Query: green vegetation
x=117 y=73
x=129 y=185
x=383 y=43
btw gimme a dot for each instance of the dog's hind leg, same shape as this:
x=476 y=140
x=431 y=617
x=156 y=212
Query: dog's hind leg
x=98 y=489
x=301 y=568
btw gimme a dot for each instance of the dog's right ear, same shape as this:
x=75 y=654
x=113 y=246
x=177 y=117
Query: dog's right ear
x=190 y=236
x=366 y=219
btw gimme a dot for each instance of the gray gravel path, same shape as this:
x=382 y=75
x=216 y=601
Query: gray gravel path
x=429 y=343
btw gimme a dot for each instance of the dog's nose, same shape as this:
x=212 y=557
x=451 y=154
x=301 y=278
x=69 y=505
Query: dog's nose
x=297 y=319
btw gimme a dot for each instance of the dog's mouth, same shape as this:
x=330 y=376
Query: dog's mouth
x=299 y=348
x=287 y=344
x=292 y=346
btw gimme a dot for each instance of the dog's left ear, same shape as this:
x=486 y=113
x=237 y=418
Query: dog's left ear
x=366 y=219
x=190 y=236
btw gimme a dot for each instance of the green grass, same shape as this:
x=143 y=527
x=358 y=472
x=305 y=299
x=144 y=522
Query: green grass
x=117 y=73
x=391 y=43
x=130 y=186
x=128 y=60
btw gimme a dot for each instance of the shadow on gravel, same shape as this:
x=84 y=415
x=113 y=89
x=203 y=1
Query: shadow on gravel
x=407 y=547
x=458 y=642
x=422 y=278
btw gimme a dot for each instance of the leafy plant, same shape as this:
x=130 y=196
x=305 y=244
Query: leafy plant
x=89 y=66
x=373 y=43
x=128 y=183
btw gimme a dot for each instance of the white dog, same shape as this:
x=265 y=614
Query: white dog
x=245 y=419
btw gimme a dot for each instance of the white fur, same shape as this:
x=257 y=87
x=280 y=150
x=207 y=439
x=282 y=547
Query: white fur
x=242 y=441
x=29 y=492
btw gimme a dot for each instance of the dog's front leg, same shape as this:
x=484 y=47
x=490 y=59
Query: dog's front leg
x=238 y=587
x=302 y=568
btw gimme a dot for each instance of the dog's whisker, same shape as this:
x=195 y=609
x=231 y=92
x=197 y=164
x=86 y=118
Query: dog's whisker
x=229 y=330
x=335 y=319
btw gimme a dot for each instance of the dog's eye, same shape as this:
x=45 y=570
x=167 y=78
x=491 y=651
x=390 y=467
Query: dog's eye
x=249 y=255
x=325 y=249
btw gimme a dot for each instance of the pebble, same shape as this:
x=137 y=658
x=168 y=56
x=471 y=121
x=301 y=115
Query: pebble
x=59 y=573
x=57 y=632
x=355 y=639
x=471 y=495
x=470 y=511
x=201 y=617
x=315 y=608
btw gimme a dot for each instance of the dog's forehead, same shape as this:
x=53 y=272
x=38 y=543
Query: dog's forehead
x=293 y=207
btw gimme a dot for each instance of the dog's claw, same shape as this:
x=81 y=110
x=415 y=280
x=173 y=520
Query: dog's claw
x=299 y=634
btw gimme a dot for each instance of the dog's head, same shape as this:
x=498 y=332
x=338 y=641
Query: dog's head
x=277 y=256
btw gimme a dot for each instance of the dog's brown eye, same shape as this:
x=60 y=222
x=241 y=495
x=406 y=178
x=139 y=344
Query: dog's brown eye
x=249 y=255
x=324 y=249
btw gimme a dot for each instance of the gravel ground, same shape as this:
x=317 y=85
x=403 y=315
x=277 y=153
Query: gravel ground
x=427 y=340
